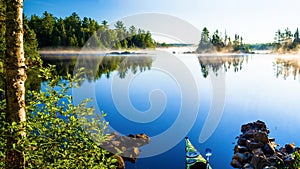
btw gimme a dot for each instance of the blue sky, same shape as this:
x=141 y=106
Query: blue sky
x=255 y=20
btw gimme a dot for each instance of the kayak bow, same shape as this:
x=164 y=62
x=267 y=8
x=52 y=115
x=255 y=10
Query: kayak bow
x=194 y=160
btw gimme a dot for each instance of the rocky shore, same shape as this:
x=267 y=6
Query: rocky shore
x=255 y=150
x=125 y=148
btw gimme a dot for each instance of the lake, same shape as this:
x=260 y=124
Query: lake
x=205 y=97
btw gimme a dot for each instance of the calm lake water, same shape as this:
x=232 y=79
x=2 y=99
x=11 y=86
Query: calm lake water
x=170 y=99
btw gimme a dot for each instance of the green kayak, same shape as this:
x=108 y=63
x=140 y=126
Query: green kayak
x=194 y=160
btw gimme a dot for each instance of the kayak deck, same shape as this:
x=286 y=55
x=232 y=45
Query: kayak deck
x=194 y=160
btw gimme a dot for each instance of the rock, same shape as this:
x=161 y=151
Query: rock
x=259 y=162
x=249 y=134
x=112 y=136
x=115 y=143
x=131 y=135
x=279 y=154
x=269 y=167
x=261 y=137
x=290 y=148
x=246 y=127
x=235 y=163
x=254 y=145
x=132 y=154
x=283 y=150
x=271 y=139
x=242 y=141
x=269 y=149
x=260 y=124
x=255 y=150
x=274 y=160
x=240 y=157
x=121 y=163
x=126 y=146
x=247 y=166
x=240 y=149
x=289 y=161
x=258 y=151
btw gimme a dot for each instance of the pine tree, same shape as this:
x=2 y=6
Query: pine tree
x=205 y=44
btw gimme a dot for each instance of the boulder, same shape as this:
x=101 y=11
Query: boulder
x=247 y=166
x=240 y=157
x=290 y=148
x=269 y=149
x=257 y=151
x=259 y=161
x=249 y=134
x=240 y=149
x=246 y=127
x=235 y=163
x=242 y=141
x=272 y=139
x=255 y=145
x=261 y=137
x=289 y=161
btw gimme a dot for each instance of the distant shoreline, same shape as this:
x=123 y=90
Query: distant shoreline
x=124 y=52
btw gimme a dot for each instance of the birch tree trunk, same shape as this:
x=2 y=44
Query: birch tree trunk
x=15 y=81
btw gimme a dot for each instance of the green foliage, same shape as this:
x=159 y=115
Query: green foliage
x=296 y=157
x=2 y=29
x=217 y=43
x=261 y=46
x=285 y=41
x=205 y=42
x=59 y=134
x=75 y=32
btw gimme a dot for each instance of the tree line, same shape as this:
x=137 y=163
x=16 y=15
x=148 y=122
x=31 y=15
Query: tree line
x=31 y=134
x=220 y=43
x=72 y=31
x=286 y=41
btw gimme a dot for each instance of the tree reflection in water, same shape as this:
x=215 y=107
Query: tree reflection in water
x=219 y=63
x=285 y=67
x=97 y=66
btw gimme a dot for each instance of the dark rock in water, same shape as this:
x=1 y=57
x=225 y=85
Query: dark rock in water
x=115 y=53
x=255 y=150
x=259 y=161
x=240 y=149
x=245 y=127
x=240 y=157
x=249 y=134
x=261 y=137
x=289 y=161
x=258 y=151
x=255 y=145
x=290 y=148
x=242 y=141
x=275 y=160
x=247 y=166
x=235 y=163
x=269 y=149
x=125 y=52
x=260 y=124
x=271 y=139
